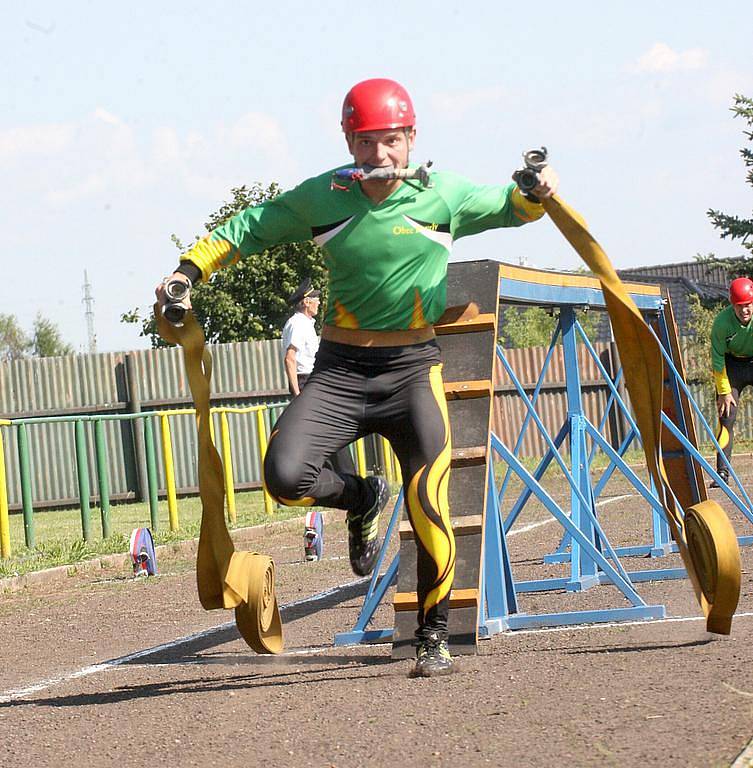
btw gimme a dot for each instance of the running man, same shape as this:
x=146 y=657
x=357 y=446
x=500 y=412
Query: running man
x=386 y=239
x=731 y=363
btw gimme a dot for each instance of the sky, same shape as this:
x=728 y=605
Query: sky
x=123 y=124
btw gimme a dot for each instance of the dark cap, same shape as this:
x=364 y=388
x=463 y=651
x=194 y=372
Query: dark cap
x=303 y=291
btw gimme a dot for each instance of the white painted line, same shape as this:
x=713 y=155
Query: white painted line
x=20 y=693
x=530 y=527
x=526 y=528
x=745 y=758
x=609 y=624
x=613 y=499
x=42 y=685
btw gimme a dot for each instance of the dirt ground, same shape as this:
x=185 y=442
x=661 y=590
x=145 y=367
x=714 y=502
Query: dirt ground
x=661 y=693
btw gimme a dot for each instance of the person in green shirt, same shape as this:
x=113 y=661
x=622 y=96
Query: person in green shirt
x=731 y=364
x=386 y=229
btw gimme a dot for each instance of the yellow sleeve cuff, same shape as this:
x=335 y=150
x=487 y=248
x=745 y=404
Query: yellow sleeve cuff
x=525 y=210
x=210 y=255
x=721 y=382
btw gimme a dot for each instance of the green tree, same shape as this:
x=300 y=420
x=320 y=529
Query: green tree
x=736 y=227
x=534 y=326
x=248 y=300
x=46 y=339
x=14 y=342
x=697 y=345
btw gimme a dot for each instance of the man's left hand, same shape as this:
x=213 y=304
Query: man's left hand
x=549 y=181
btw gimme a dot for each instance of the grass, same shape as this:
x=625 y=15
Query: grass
x=59 y=539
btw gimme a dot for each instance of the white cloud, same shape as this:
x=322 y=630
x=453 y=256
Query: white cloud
x=101 y=156
x=255 y=129
x=166 y=146
x=661 y=58
x=35 y=140
x=107 y=117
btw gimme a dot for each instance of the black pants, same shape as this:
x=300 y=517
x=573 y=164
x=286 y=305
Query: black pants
x=340 y=462
x=740 y=375
x=396 y=392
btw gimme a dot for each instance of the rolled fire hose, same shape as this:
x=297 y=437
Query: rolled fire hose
x=704 y=535
x=225 y=578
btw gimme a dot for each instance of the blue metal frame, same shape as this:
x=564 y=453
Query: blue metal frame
x=376 y=591
x=553 y=295
x=593 y=561
x=662 y=540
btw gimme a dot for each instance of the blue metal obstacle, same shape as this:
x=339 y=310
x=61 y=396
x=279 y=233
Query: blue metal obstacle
x=584 y=543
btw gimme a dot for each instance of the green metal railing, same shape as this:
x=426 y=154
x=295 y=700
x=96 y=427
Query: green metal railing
x=150 y=458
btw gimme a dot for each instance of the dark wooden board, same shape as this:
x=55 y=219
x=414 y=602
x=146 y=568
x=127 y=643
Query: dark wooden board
x=468 y=358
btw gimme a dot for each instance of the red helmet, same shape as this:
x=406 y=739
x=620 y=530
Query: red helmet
x=375 y=105
x=741 y=291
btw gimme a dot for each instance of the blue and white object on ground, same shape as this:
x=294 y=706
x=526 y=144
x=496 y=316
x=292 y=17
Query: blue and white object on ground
x=143 y=556
x=313 y=536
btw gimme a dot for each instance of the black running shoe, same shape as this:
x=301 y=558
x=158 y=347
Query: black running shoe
x=432 y=657
x=724 y=474
x=363 y=529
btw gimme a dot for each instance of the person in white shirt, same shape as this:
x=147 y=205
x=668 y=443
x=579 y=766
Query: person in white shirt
x=299 y=339
x=299 y=347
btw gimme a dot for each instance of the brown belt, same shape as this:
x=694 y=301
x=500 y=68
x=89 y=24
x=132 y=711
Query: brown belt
x=363 y=337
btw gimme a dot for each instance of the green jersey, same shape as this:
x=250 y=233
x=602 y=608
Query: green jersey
x=728 y=337
x=387 y=261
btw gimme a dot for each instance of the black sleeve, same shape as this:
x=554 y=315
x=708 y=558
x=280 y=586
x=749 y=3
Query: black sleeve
x=190 y=270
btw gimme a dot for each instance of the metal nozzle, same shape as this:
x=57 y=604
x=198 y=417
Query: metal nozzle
x=175 y=308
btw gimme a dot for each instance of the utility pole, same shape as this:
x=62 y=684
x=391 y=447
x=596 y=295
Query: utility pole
x=88 y=302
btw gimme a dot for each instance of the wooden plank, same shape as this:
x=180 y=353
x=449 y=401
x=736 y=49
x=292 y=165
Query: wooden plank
x=463 y=457
x=483 y=322
x=461 y=526
x=468 y=390
x=472 y=460
x=458 y=312
x=459 y=598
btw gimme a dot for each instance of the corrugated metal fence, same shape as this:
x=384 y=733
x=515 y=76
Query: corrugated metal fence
x=551 y=406
x=248 y=373
x=244 y=374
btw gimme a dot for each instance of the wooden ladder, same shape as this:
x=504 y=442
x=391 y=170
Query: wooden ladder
x=467 y=334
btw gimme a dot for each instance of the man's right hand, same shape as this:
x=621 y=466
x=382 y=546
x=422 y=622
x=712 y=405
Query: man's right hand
x=159 y=290
x=725 y=404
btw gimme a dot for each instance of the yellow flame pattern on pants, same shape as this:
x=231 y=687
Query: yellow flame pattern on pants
x=429 y=509
x=722 y=437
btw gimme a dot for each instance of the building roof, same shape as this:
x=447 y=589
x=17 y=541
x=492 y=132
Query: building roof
x=708 y=281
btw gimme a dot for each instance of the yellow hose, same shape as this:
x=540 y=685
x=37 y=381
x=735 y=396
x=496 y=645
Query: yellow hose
x=705 y=537
x=225 y=578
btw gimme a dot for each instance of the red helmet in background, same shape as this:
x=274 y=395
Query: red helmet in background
x=741 y=291
x=375 y=105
